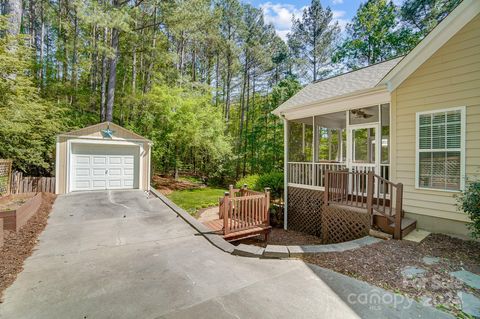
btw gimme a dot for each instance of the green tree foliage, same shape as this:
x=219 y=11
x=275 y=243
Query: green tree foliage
x=374 y=35
x=198 y=77
x=249 y=180
x=28 y=124
x=423 y=15
x=312 y=39
x=185 y=127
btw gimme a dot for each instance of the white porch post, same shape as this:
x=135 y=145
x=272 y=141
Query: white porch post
x=329 y=133
x=285 y=173
x=348 y=147
x=340 y=142
x=314 y=150
x=303 y=139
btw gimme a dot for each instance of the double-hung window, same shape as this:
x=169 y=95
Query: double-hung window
x=440 y=149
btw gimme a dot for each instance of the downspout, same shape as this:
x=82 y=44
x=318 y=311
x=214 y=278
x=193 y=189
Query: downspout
x=285 y=173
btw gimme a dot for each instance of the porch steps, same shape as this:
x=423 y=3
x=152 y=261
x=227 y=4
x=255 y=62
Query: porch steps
x=407 y=226
x=385 y=225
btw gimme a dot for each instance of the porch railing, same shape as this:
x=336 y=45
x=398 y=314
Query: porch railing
x=242 y=209
x=313 y=174
x=368 y=191
x=304 y=173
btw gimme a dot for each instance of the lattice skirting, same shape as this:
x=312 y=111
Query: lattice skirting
x=305 y=210
x=340 y=224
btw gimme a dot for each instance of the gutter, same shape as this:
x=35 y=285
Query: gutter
x=280 y=112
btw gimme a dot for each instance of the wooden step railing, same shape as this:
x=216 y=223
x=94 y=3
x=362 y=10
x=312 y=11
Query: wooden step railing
x=245 y=209
x=369 y=191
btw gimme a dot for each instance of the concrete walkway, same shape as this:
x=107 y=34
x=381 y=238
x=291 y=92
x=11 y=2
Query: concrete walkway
x=121 y=255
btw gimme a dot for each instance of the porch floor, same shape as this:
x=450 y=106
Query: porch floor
x=216 y=226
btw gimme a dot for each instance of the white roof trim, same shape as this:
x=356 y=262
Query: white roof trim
x=344 y=103
x=322 y=106
x=444 y=31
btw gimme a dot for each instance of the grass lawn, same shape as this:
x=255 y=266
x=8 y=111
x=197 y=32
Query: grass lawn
x=195 y=199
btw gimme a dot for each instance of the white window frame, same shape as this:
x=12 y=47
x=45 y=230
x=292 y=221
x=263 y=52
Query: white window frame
x=463 y=124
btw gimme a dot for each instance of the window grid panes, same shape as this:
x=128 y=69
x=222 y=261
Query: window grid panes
x=439 y=147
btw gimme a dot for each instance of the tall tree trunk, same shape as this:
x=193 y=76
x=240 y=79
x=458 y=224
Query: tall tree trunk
x=242 y=115
x=228 y=84
x=60 y=30
x=14 y=9
x=112 y=76
x=134 y=70
x=75 y=56
x=134 y=66
x=103 y=88
x=32 y=22
x=152 y=59
x=244 y=171
x=217 y=78
x=252 y=132
x=65 y=49
x=93 y=76
x=42 y=42
x=194 y=62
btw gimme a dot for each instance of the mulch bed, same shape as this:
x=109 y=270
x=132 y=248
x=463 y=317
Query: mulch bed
x=279 y=236
x=381 y=264
x=18 y=246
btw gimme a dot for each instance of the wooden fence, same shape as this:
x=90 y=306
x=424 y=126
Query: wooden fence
x=28 y=184
x=5 y=176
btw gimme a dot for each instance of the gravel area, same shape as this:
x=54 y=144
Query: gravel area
x=18 y=246
x=381 y=264
x=279 y=236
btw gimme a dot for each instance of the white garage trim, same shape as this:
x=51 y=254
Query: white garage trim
x=57 y=163
x=72 y=142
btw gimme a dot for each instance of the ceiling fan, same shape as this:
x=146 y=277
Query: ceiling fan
x=360 y=114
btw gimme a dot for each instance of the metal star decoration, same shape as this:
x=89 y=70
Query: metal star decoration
x=108 y=132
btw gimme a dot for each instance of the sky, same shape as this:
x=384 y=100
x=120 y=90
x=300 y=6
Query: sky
x=280 y=12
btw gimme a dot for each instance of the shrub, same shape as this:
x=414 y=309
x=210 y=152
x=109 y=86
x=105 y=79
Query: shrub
x=273 y=180
x=250 y=180
x=469 y=202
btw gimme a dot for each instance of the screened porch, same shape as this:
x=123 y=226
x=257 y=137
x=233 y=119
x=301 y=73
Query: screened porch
x=356 y=140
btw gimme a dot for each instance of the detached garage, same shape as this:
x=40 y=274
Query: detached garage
x=102 y=156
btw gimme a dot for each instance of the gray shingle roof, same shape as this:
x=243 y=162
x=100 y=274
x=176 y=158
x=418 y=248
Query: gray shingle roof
x=359 y=80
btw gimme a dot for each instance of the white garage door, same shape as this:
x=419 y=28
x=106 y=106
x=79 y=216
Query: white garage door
x=96 y=167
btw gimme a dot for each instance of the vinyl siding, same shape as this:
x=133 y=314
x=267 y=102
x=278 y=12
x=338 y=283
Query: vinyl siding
x=449 y=78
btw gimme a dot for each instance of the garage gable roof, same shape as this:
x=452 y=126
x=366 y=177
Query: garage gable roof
x=95 y=131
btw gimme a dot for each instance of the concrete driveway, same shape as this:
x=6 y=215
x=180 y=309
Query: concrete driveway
x=118 y=254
